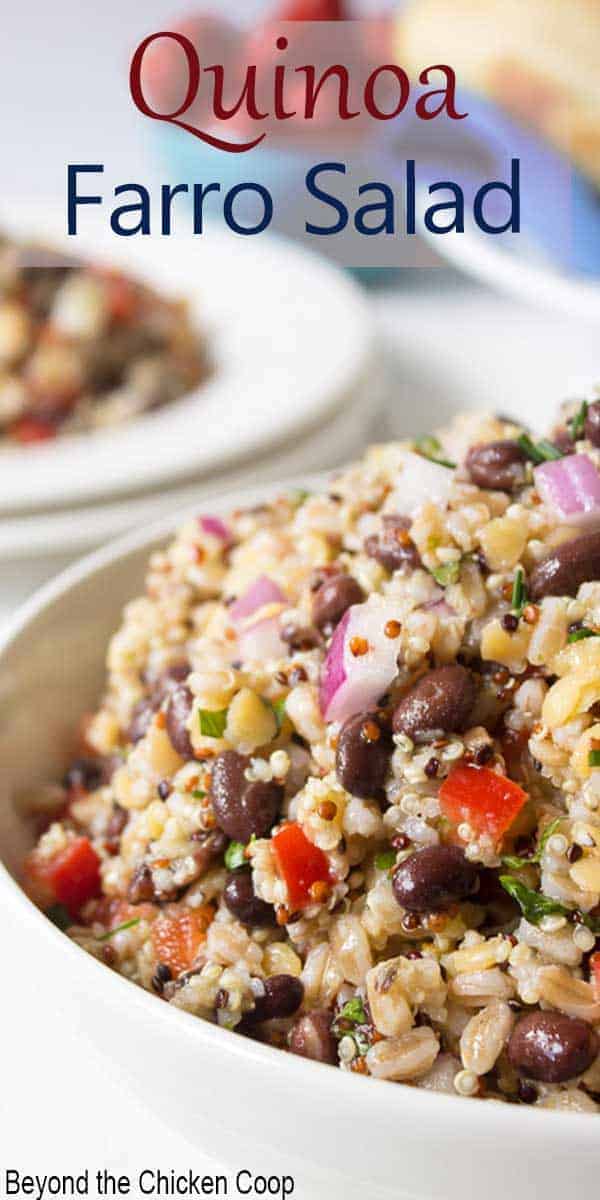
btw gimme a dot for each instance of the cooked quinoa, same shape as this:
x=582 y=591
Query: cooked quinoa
x=342 y=792
x=83 y=348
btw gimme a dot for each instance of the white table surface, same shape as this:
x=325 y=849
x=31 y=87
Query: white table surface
x=62 y=1106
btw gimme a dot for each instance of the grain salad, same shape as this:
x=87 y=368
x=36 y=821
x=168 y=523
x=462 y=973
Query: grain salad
x=342 y=791
x=84 y=348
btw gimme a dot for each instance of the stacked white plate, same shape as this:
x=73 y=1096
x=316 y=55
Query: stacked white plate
x=294 y=387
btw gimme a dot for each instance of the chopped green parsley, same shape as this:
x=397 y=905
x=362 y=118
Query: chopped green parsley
x=538 y=452
x=429 y=447
x=578 y=635
x=235 y=856
x=534 y=905
x=385 y=860
x=212 y=723
x=515 y=863
x=519 y=592
x=577 y=422
x=446 y=574
x=354 y=1011
x=104 y=937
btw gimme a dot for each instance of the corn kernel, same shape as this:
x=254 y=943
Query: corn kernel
x=163 y=759
x=568 y=697
x=579 y=656
x=503 y=541
x=280 y=959
x=509 y=649
x=586 y=873
x=250 y=722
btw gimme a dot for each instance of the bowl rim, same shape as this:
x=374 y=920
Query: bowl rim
x=495 y=1118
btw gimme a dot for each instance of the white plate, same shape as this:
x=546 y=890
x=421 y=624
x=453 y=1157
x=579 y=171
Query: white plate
x=291 y=336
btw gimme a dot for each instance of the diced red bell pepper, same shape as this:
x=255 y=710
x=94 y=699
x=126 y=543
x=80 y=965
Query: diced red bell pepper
x=71 y=877
x=477 y=796
x=30 y=429
x=301 y=864
x=177 y=936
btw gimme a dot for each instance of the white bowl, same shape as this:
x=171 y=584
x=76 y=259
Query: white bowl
x=244 y=1103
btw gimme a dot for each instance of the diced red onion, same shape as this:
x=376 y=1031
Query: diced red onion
x=420 y=482
x=259 y=640
x=570 y=486
x=263 y=591
x=215 y=527
x=352 y=683
x=333 y=674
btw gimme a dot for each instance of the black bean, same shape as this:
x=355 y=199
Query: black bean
x=117 y=821
x=177 y=714
x=243 y=807
x=84 y=774
x=283 y=996
x=141 y=887
x=392 y=547
x=570 y=565
x=311 y=1037
x=592 y=423
x=363 y=754
x=333 y=598
x=499 y=466
x=159 y=688
x=552 y=1047
x=441 y=700
x=242 y=902
x=434 y=878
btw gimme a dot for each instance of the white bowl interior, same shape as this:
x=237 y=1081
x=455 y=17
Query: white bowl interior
x=49 y=678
